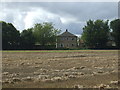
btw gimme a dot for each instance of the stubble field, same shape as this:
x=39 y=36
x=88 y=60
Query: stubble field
x=60 y=69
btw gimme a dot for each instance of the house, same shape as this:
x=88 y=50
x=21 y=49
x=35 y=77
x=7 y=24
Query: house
x=66 y=40
x=111 y=42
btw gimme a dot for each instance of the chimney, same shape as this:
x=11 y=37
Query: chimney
x=66 y=30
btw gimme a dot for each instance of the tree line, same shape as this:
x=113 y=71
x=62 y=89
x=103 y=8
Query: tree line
x=96 y=34
x=42 y=35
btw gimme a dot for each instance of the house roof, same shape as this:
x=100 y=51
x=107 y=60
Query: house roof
x=66 y=33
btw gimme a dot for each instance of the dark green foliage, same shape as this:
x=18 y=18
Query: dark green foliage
x=10 y=36
x=27 y=38
x=45 y=34
x=95 y=33
x=115 y=26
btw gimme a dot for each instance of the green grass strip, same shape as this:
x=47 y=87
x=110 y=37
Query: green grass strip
x=53 y=51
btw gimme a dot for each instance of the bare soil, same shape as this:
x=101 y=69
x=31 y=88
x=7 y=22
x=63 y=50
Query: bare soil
x=87 y=69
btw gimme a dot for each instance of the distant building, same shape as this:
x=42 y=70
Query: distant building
x=66 y=40
x=111 y=41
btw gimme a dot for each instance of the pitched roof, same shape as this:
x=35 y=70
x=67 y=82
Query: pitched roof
x=66 y=33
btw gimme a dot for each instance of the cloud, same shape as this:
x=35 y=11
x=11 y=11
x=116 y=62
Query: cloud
x=64 y=15
x=83 y=10
x=39 y=16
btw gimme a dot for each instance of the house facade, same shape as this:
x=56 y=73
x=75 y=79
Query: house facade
x=66 y=40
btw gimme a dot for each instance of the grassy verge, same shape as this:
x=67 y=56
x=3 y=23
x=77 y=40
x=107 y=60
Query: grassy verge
x=53 y=51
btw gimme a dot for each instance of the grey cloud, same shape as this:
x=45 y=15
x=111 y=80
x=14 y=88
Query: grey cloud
x=73 y=27
x=119 y=9
x=81 y=11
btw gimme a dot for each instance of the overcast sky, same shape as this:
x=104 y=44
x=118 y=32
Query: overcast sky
x=64 y=15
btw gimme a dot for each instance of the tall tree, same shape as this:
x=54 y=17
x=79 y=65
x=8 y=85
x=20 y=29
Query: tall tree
x=115 y=26
x=45 y=33
x=10 y=36
x=95 y=33
x=27 y=38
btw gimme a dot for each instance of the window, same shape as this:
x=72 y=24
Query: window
x=72 y=44
x=61 y=45
x=67 y=45
x=62 y=38
x=72 y=38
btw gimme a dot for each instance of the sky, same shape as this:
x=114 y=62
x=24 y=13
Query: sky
x=64 y=15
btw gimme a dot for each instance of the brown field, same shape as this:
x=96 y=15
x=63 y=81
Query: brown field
x=84 y=69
